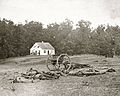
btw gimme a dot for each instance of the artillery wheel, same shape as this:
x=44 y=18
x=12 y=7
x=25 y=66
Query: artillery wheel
x=50 y=64
x=63 y=63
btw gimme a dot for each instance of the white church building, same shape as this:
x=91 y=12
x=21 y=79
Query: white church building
x=42 y=48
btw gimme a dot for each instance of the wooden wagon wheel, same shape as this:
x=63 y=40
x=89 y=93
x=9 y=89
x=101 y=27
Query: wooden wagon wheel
x=63 y=63
x=51 y=63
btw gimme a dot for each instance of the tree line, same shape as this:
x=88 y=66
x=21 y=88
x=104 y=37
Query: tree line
x=17 y=39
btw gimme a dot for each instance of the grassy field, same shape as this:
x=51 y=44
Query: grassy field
x=99 y=85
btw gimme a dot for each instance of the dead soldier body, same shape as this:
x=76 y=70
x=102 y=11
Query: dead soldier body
x=33 y=74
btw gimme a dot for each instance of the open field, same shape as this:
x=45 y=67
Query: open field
x=99 y=85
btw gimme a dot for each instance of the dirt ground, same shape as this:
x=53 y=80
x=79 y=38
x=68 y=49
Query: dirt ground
x=99 y=85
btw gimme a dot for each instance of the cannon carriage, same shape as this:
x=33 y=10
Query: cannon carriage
x=59 y=63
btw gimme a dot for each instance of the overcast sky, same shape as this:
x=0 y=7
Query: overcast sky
x=50 y=11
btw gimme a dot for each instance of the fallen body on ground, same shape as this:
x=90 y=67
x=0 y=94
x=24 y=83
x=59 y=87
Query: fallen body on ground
x=33 y=74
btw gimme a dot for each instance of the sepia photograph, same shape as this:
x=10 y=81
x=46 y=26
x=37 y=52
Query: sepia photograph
x=59 y=47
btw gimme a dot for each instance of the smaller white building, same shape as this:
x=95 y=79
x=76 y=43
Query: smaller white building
x=42 y=48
